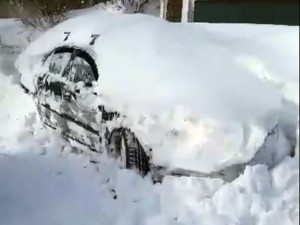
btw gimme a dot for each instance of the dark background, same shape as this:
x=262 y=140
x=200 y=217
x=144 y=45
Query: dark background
x=284 y=12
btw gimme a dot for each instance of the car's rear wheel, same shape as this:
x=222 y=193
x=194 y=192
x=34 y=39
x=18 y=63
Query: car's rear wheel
x=125 y=147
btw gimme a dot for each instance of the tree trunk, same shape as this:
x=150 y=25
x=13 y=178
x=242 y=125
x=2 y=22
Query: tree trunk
x=174 y=10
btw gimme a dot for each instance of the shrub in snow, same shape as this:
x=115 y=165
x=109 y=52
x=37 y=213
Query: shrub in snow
x=128 y=6
x=40 y=15
x=115 y=7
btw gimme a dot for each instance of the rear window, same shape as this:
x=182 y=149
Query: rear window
x=72 y=65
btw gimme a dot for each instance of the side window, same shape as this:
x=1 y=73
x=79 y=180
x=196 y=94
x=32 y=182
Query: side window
x=72 y=66
x=81 y=71
x=58 y=62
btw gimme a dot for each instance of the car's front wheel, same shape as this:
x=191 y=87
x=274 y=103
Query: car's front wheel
x=125 y=147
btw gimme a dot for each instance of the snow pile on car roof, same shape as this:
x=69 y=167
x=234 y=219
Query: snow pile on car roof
x=184 y=91
x=154 y=63
x=268 y=52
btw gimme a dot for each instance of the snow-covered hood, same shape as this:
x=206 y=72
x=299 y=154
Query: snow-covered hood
x=184 y=93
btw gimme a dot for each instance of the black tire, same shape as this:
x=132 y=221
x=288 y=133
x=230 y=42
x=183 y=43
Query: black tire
x=123 y=142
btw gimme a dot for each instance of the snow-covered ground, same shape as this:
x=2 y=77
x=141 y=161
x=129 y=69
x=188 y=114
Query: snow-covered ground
x=44 y=181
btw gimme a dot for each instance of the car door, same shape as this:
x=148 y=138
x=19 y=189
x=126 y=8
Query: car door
x=66 y=96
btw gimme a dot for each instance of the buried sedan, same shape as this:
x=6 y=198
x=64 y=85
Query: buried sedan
x=127 y=87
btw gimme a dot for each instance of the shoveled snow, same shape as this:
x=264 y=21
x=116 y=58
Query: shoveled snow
x=13 y=106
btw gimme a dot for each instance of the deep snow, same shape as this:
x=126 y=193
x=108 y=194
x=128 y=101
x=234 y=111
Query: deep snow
x=45 y=181
x=176 y=83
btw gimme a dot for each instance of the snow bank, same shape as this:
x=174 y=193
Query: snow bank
x=183 y=89
x=268 y=52
x=256 y=197
x=49 y=190
x=16 y=109
x=47 y=184
x=45 y=181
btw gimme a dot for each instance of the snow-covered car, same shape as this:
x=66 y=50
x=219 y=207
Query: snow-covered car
x=154 y=95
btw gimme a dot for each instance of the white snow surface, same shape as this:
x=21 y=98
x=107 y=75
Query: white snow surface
x=268 y=52
x=144 y=50
x=44 y=181
x=184 y=89
x=11 y=32
x=11 y=43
